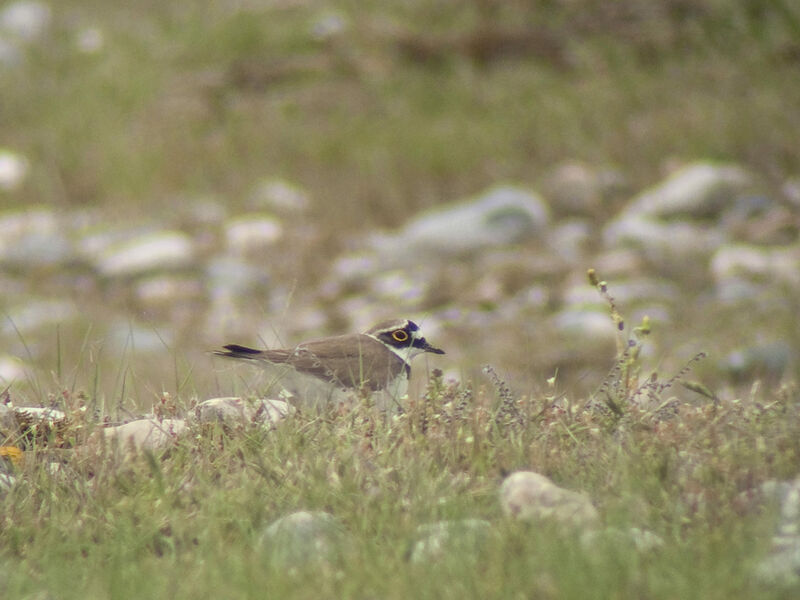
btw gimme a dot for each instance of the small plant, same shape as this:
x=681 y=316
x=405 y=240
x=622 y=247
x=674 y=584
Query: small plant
x=623 y=386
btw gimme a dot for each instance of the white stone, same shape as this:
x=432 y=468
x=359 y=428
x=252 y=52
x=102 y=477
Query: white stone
x=281 y=196
x=26 y=20
x=13 y=170
x=328 y=25
x=158 y=251
x=168 y=289
x=530 y=496
x=461 y=540
x=782 y=565
x=499 y=217
x=37 y=413
x=37 y=314
x=676 y=240
x=590 y=323
x=146 y=434
x=302 y=538
x=129 y=336
x=253 y=232
x=235 y=411
x=766 y=265
x=11 y=369
x=90 y=40
x=697 y=190
x=34 y=238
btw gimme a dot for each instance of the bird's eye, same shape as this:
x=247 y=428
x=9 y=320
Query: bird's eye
x=400 y=335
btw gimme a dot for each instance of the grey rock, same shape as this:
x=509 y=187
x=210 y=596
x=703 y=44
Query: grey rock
x=232 y=275
x=234 y=411
x=782 y=565
x=696 y=191
x=586 y=323
x=530 y=496
x=674 y=244
x=25 y=20
x=762 y=265
x=40 y=414
x=145 y=434
x=281 y=196
x=11 y=369
x=303 y=539
x=10 y=56
x=247 y=234
x=131 y=336
x=578 y=188
x=791 y=190
x=38 y=314
x=399 y=287
x=463 y=540
x=766 y=360
x=329 y=25
x=570 y=239
x=13 y=167
x=33 y=238
x=168 y=290
x=90 y=40
x=152 y=252
x=499 y=217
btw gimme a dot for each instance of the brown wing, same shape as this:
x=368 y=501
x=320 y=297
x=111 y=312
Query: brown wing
x=349 y=360
x=352 y=361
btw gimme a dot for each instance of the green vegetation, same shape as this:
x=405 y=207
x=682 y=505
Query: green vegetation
x=188 y=523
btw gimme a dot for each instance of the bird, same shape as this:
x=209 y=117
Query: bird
x=377 y=360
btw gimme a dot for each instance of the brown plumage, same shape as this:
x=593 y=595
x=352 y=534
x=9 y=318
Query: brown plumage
x=371 y=360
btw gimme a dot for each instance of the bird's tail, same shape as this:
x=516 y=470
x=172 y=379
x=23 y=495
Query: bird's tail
x=236 y=351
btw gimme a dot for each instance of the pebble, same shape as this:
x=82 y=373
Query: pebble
x=252 y=233
x=232 y=275
x=25 y=20
x=768 y=360
x=236 y=412
x=530 y=496
x=153 y=252
x=303 y=539
x=782 y=565
x=589 y=323
x=501 y=216
x=167 y=290
x=13 y=167
x=666 y=245
x=281 y=196
x=768 y=266
x=38 y=314
x=463 y=540
x=33 y=238
x=11 y=369
x=125 y=335
x=577 y=188
x=698 y=190
x=146 y=434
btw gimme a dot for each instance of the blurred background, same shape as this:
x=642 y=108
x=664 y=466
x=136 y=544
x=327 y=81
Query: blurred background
x=179 y=175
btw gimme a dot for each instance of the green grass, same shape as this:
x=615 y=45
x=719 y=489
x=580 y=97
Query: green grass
x=189 y=101
x=187 y=523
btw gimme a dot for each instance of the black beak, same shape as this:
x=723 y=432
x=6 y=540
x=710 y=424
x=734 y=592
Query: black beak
x=423 y=344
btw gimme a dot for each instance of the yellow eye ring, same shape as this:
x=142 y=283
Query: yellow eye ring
x=400 y=335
